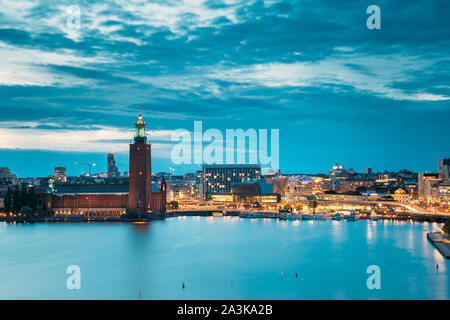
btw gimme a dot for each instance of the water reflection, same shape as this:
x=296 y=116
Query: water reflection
x=141 y=227
x=337 y=231
x=369 y=231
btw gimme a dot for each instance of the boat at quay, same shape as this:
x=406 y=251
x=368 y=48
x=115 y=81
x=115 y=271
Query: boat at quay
x=258 y=215
x=338 y=216
x=353 y=217
x=290 y=217
x=320 y=216
x=307 y=216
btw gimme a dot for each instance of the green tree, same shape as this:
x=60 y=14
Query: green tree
x=27 y=211
x=446 y=227
x=32 y=199
x=299 y=207
x=16 y=204
x=8 y=200
x=23 y=196
x=287 y=207
x=173 y=205
x=313 y=205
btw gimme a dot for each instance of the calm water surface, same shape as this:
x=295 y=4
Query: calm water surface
x=222 y=258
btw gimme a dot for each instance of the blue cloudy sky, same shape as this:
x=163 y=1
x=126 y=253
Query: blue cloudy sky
x=337 y=91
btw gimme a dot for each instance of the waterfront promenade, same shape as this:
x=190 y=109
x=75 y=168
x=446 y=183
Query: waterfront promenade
x=415 y=216
x=439 y=241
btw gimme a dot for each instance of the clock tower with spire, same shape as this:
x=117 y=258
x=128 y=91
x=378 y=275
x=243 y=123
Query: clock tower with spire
x=140 y=186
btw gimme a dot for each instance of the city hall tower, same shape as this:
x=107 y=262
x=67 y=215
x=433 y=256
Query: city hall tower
x=140 y=187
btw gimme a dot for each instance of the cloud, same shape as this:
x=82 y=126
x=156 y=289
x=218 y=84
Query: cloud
x=304 y=66
x=53 y=136
x=375 y=74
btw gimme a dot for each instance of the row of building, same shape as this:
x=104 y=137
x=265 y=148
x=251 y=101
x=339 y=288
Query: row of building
x=226 y=183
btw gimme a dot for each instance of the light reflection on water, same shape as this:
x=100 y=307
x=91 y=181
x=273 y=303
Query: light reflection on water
x=116 y=260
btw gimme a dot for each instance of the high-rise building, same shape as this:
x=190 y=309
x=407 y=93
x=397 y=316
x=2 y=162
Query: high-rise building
x=112 y=170
x=428 y=184
x=444 y=168
x=218 y=178
x=338 y=173
x=60 y=174
x=140 y=188
x=444 y=193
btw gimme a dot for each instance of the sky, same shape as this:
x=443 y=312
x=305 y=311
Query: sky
x=338 y=92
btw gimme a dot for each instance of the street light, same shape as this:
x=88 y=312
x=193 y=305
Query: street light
x=91 y=164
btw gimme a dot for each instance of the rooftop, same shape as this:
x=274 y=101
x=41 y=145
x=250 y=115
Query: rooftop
x=231 y=166
x=96 y=188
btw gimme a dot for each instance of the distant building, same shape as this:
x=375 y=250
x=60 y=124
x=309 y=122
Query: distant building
x=368 y=170
x=189 y=176
x=5 y=174
x=343 y=197
x=338 y=173
x=219 y=178
x=353 y=184
x=428 y=185
x=60 y=174
x=179 y=189
x=259 y=190
x=412 y=190
x=309 y=185
x=266 y=190
x=400 y=195
x=444 y=193
x=112 y=171
x=3 y=190
x=198 y=184
x=444 y=168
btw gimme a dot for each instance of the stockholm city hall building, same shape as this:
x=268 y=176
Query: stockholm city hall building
x=140 y=198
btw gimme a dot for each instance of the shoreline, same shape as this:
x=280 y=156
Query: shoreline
x=436 y=239
x=206 y=213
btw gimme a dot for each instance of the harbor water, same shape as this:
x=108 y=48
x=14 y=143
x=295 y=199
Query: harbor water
x=222 y=258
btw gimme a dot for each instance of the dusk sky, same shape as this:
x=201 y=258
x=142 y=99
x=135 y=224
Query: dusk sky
x=337 y=91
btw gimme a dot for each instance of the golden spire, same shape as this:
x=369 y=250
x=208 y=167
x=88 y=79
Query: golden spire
x=140 y=119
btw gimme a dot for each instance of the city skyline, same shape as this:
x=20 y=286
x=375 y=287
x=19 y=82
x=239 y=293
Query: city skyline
x=80 y=167
x=337 y=91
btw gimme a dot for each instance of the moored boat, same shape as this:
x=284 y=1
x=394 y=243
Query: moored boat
x=307 y=216
x=353 y=216
x=320 y=216
x=290 y=217
x=245 y=215
x=338 y=216
x=374 y=217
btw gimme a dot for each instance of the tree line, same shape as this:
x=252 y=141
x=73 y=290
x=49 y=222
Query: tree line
x=19 y=198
